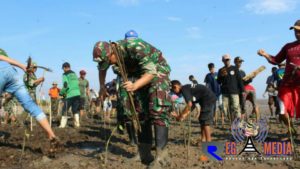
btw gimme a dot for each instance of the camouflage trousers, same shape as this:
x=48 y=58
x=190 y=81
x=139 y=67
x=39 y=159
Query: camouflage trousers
x=160 y=103
x=54 y=106
x=152 y=102
x=11 y=107
x=124 y=112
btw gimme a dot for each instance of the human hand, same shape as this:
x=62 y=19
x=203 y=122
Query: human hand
x=261 y=52
x=130 y=86
x=224 y=72
x=55 y=146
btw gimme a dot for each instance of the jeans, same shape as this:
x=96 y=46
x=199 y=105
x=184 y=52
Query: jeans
x=10 y=82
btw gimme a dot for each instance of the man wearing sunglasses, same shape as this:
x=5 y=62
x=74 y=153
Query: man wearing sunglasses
x=231 y=85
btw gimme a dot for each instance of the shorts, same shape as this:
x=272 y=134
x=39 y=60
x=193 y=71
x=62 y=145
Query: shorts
x=72 y=102
x=206 y=115
x=114 y=104
x=272 y=100
x=82 y=103
x=107 y=106
x=289 y=100
x=251 y=96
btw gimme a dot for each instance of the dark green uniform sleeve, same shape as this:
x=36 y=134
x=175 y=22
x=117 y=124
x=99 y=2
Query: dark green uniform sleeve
x=2 y=52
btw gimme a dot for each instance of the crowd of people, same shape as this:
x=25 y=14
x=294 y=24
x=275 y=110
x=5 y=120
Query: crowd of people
x=143 y=97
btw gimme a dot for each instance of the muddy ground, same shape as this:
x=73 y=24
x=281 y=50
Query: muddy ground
x=84 y=148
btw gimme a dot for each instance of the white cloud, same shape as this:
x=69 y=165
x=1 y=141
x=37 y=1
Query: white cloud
x=174 y=18
x=271 y=6
x=193 y=32
x=128 y=2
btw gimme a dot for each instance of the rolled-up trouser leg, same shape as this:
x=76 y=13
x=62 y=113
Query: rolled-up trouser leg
x=225 y=100
x=242 y=100
x=235 y=106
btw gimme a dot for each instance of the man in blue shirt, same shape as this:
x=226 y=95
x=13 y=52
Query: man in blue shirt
x=212 y=83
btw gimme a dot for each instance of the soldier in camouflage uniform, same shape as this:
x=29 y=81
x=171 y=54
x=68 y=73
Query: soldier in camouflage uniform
x=31 y=81
x=145 y=62
x=9 y=105
x=123 y=106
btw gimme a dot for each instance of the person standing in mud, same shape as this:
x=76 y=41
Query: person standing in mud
x=249 y=91
x=71 y=92
x=10 y=83
x=231 y=85
x=54 y=96
x=152 y=71
x=289 y=89
x=123 y=103
x=212 y=83
x=31 y=81
x=84 y=92
x=272 y=92
x=201 y=95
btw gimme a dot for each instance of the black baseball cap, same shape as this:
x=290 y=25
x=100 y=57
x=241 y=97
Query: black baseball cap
x=66 y=64
x=296 y=25
x=238 y=59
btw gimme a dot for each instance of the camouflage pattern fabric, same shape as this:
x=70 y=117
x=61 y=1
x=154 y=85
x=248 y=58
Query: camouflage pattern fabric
x=142 y=58
x=29 y=83
x=3 y=53
x=160 y=102
x=11 y=106
x=123 y=102
x=100 y=54
x=148 y=59
x=54 y=105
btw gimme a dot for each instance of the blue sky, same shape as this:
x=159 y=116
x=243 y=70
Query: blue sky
x=190 y=33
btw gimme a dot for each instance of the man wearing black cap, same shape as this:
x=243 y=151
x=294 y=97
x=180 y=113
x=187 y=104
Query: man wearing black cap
x=71 y=92
x=249 y=91
x=193 y=80
x=289 y=89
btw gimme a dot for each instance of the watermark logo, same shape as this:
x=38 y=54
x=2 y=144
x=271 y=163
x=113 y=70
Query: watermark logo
x=249 y=137
x=213 y=150
x=248 y=130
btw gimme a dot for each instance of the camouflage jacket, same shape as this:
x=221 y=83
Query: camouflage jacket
x=29 y=81
x=2 y=52
x=141 y=57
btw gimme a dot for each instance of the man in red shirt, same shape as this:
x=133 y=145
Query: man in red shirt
x=289 y=89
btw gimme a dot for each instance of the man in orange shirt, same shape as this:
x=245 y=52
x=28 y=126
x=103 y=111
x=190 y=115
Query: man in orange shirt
x=54 y=95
